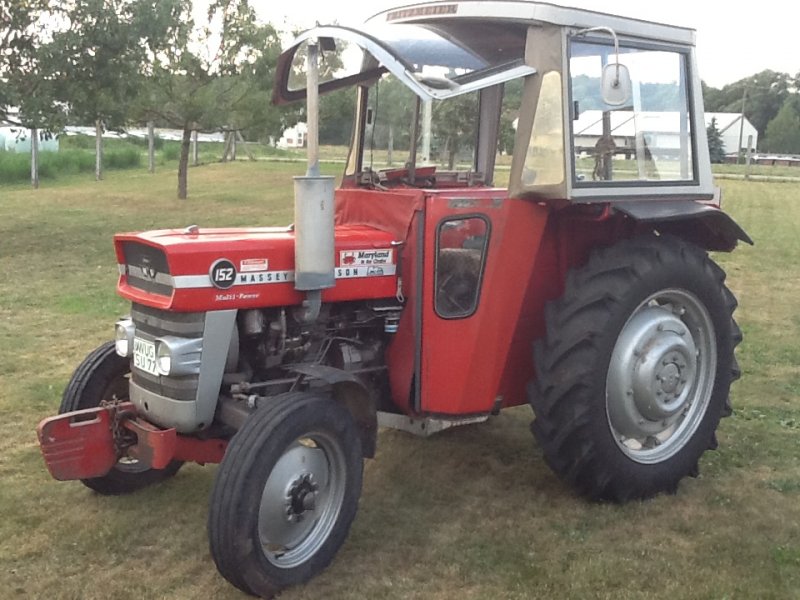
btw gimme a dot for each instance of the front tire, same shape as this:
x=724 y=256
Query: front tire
x=104 y=376
x=634 y=371
x=286 y=493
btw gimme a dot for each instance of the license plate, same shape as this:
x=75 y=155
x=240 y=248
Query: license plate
x=144 y=356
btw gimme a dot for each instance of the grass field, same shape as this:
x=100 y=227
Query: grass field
x=470 y=513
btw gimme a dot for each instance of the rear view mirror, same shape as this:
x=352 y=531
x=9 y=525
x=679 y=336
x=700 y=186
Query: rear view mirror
x=616 y=84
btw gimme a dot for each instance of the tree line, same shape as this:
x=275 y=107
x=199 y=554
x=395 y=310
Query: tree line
x=114 y=63
x=771 y=102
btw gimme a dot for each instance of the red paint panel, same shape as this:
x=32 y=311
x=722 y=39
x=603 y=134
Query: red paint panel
x=78 y=445
x=466 y=360
x=193 y=254
x=400 y=351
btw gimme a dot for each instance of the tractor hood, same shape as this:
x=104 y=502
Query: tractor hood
x=197 y=269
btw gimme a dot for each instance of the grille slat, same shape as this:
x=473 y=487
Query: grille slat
x=152 y=323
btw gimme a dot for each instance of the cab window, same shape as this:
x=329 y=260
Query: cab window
x=646 y=140
x=460 y=259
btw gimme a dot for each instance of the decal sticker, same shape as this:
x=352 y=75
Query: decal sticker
x=264 y=277
x=251 y=265
x=193 y=282
x=231 y=296
x=355 y=272
x=223 y=274
x=363 y=258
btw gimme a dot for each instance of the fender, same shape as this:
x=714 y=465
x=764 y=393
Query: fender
x=354 y=395
x=702 y=224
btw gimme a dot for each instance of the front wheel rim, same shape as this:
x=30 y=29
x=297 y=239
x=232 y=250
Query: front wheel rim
x=661 y=376
x=302 y=499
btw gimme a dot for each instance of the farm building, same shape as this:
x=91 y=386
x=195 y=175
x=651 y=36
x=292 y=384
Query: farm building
x=729 y=126
x=18 y=139
x=294 y=137
x=661 y=130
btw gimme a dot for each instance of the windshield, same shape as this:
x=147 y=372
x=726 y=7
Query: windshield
x=435 y=60
x=446 y=130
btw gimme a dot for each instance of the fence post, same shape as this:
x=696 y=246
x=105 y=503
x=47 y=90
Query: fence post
x=151 y=147
x=35 y=158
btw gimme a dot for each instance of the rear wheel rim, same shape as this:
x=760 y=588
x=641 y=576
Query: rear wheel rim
x=302 y=499
x=661 y=376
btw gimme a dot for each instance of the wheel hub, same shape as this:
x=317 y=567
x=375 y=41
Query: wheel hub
x=301 y=497
x=301 y=500
x=659 y=375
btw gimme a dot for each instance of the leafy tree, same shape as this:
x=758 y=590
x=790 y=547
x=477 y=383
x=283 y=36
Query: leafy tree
x=764 y=94
x=18 y=29
x=27 y=78
x=716 y=147
x=336 y=112
x=512 y=102
x=783 y=132
x=391 y=106
x=210 y=76
x=100 y=59
x=454 y=122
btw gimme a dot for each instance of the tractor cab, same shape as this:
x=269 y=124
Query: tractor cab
x=553 y=103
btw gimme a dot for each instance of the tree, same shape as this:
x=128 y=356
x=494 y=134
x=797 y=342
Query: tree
x=454 y=126
x=716 y=147
x=783 y=132
x=762 y=96
x=100 y=58
x=336 y=112
x=27 y=78
x=213 y=76
x=18 y=20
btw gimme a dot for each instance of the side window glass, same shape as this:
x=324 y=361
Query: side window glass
x=649 y=139
x=544 y=163
x=460 y=257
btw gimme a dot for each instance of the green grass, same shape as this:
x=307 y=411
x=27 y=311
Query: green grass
x=470 y=513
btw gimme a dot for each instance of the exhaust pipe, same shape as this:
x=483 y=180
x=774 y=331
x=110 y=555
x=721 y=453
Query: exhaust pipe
x=313 y=206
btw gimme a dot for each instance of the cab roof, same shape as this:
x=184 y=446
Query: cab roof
x=532 y=13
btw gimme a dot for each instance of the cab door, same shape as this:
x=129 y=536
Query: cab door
x=479 y=252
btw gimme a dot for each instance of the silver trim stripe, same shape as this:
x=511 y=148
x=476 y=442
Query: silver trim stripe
x=139 y=272
x=190 y=282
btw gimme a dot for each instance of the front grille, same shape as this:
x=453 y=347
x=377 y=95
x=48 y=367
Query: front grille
x=152 y=323
x=147 y=268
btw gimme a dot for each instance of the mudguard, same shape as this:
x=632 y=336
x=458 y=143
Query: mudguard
x=702 y=224
x=354 y=395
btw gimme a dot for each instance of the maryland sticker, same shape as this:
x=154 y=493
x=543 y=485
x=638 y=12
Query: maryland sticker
x=365 y=258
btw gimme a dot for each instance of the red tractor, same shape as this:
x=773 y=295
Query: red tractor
x=424 y=294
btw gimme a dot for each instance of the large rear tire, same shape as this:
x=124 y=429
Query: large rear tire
x=103 y=376
x=634 y=371
x=286 y=493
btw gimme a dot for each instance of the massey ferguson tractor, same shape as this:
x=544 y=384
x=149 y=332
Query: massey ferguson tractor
x=524 y=217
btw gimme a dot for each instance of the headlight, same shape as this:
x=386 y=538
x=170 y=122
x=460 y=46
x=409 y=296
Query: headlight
x=124 y=331
x=177 y=356
x=163 y=359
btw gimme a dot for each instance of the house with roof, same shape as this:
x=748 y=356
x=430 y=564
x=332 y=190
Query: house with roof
x=730 y=125
x=661 y=131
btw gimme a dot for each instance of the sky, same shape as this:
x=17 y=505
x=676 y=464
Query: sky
x=733 y=40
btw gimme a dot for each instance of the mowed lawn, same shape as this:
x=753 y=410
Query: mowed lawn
x=470 y=513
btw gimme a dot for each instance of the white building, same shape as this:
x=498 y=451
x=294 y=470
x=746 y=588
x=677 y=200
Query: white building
x=660 y=129
x=294 y=137
x=730 y=126
x=18 y=139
